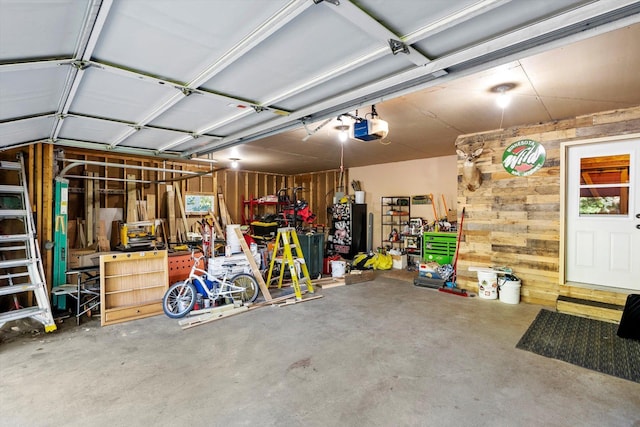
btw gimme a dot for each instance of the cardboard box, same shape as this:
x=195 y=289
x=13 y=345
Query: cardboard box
x=78 y=258
x=399 y=262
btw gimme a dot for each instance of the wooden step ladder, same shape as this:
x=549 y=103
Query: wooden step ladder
x=20 y=260
x=286 y=242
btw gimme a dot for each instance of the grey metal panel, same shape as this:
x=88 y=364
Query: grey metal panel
x=85 y=129
x=38 y=29
x=195 y=112
x=193 y=143
x=175 y=39
x=385 y=66
x=506 y=18
x=37 y=128
x=315 y=43
x=151 y=138
x=246 y=121
x=117 y=97
x=406 y=16
x=24 y=93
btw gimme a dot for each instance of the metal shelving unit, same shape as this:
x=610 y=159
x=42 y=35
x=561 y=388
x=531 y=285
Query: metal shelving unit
x=395 y=213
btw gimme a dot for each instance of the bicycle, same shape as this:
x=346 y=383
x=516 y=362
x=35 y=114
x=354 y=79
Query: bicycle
x=181 y=297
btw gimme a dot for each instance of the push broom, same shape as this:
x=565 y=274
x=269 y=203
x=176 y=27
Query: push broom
x=452 y=289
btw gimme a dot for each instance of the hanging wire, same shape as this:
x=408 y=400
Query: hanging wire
x=341 y=182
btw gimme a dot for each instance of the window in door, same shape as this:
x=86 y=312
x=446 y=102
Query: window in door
x=604 y=185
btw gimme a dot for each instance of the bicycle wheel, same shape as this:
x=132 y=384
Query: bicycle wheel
x=250 y=285
x=179 y=299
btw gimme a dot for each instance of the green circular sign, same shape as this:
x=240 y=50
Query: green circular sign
x=524 y=157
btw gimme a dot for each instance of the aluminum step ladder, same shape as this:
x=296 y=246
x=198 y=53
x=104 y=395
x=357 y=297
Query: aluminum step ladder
x=20 y=260
x=286 y=242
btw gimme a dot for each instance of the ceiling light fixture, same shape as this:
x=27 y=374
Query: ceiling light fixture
x=343 y=131
x=504 y=99
x=234 y=163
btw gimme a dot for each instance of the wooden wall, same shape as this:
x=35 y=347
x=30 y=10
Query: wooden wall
x=235 y=185
x=515 y=221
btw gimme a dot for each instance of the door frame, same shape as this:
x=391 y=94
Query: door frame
x=564 y=181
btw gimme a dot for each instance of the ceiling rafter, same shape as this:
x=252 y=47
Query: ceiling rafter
x=516 y=42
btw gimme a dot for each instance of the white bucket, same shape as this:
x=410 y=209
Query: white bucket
x=360 y=197
x=232 y=238
x=487 y=285
x=510 y=291
x=338 y=268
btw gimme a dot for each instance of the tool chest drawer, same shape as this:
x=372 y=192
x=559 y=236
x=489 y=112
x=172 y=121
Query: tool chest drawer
x=438 y=247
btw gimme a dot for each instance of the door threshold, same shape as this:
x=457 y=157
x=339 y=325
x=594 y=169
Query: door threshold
x=601 y=288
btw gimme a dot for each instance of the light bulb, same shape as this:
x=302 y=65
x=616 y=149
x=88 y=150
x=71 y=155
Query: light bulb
x=234 y=164
x=503 y=100
x=343 y=136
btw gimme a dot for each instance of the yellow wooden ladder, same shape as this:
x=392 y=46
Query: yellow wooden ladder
x=286 y=241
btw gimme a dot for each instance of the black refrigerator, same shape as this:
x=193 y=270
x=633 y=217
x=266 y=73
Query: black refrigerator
x=348 y=235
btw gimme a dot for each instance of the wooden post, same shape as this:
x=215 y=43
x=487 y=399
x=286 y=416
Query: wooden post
x=88 y=207
x=254 y=267
x=183 y=216
x=132 y=209
x=171 y=214
x=47 y=212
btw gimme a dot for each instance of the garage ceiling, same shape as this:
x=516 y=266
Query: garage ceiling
x=265 y=81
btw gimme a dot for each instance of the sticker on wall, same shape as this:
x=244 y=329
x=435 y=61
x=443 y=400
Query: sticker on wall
x=524 y=157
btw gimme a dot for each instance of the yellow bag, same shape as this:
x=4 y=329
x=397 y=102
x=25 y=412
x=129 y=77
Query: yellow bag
x=375 y=261
x=382 y=262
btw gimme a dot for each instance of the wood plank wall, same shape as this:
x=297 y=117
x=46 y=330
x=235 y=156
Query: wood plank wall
x=515 y=221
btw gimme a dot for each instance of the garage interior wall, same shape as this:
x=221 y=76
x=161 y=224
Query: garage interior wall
x=236 y=186
x=435 y=176
x=516 y=221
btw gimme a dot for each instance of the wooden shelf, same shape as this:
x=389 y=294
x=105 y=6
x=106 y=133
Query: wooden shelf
x=132 y=285
x=138 y=273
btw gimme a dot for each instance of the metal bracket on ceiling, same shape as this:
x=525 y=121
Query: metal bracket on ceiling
x=258 y=108
x=398 y=46
x=195 y=135
x=80 y=65
x=333 y=2
x=186 y=91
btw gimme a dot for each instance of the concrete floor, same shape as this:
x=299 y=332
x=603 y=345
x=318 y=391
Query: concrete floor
x=381 y=353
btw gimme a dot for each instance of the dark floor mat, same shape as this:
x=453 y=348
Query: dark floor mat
x=589 y=343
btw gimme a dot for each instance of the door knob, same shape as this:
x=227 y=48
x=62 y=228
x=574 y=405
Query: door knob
x=638 y=226
x=638 y=216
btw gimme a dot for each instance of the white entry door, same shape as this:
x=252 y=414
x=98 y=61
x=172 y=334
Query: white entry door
x=603 y=214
